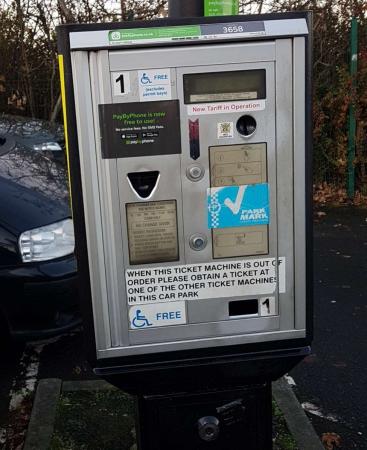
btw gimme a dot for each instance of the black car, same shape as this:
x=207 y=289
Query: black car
x=38 y=271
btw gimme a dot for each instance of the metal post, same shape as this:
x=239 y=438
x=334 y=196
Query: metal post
x=352 y=112
x=185 y=8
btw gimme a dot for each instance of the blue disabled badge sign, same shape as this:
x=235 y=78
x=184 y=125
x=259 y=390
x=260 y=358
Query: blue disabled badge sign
x=238 y=206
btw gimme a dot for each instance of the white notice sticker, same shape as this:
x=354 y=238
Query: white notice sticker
x=154 y=85
x=206 y=280
x=226 y=107
x=157 y=315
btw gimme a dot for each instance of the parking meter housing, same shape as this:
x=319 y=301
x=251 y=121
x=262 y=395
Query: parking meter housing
x=189 y=149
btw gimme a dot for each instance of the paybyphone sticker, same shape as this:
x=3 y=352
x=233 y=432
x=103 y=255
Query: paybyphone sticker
x=238 y=206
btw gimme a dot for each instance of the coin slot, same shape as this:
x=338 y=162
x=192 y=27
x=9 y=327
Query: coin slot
x=246 y=125
x=143 y=183
x=243 y=308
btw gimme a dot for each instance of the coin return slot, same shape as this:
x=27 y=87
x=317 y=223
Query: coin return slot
x=243 y=308
x=143 y=183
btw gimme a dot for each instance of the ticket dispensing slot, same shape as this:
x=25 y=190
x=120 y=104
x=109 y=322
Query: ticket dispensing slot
x=243 y=308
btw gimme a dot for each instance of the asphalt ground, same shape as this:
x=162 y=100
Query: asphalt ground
x=331 y=382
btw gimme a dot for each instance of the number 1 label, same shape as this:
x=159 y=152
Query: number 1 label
x=267 y=306
x=120 y=83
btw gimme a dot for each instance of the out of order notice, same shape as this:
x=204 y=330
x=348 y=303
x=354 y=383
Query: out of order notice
x=206 y=280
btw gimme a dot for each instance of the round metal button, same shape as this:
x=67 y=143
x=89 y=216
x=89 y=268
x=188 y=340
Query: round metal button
x=195 y=173
x=198 y=242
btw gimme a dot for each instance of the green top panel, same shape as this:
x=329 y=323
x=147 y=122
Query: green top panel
x=118 y=36
x=132 y=36
x=221 y=7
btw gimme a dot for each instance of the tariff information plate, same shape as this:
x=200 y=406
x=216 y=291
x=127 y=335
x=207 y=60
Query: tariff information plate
x=152 y=232
x=205 y=280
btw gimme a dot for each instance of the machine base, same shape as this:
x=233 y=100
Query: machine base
x=214 y=419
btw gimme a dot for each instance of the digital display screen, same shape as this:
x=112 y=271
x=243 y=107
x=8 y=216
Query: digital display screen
x=224 y=86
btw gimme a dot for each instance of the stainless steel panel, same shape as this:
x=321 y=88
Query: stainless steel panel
x=168 y=188
x=109 y=205
x=286 y=27
x=91 y=195
x=107 y=191
x=215 y=309
x=195 y=193
x=183 y=56
x=285 y=213
x=213 y=341
x=211 y=329
x=299 y=88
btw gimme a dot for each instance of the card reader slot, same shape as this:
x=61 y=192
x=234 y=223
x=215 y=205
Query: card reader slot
x=243 y=307
x=194 y=138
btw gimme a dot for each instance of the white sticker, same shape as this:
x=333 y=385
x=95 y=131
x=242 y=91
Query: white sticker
x=120 y=83
x=157 y=315
x=205 y=280
x=226 y=107
x=267 y=306
x=225 y=130
x=154 y=85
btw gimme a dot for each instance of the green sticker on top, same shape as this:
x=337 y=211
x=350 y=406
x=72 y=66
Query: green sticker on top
x=155 y=33
x=221 y=7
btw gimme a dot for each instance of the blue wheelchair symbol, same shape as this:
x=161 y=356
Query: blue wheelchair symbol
x=145 y=79
x=140 y=321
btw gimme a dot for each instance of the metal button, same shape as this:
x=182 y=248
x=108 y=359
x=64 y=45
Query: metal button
x=198 y=242
x=195 y=173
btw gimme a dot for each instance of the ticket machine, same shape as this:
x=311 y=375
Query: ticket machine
x=189 y=150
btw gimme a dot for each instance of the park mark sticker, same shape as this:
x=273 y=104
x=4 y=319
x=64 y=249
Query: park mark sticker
x=238 y=206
